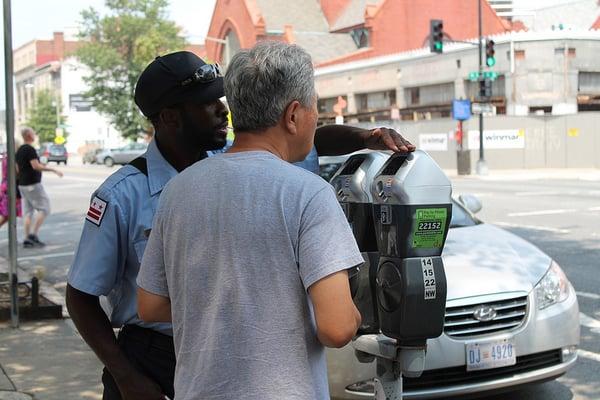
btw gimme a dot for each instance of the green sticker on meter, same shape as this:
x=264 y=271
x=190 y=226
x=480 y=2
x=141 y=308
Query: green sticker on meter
x=430 y=226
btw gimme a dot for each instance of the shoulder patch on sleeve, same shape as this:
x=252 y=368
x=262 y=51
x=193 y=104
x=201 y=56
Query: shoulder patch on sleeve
x=96 y=210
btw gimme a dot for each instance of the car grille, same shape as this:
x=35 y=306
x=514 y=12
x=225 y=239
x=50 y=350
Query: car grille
x=460 y=375
x=455 y=376
x=460 y=322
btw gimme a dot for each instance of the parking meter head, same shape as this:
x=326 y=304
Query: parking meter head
x=412 y=208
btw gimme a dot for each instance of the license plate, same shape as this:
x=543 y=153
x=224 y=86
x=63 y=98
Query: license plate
x=486 y=355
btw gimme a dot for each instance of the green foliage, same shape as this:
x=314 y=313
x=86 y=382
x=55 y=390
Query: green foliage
x=42 y=116
x=118 y=47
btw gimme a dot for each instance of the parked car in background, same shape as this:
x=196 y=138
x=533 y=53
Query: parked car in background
x=90 y=156
x=50 y=152
x=121 y=155
x=506 y=298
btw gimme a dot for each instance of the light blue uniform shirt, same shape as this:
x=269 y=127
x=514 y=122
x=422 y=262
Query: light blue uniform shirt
x=113 y=240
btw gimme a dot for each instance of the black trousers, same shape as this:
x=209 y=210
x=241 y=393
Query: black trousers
x=151 y=352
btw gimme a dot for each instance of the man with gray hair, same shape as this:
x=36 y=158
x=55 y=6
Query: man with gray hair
x=248 y=254
x=33 y=194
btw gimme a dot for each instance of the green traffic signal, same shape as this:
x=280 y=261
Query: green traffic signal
x=490 y=61
x=436 y=36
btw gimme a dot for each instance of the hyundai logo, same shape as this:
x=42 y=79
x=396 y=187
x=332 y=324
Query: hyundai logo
x=484 y=313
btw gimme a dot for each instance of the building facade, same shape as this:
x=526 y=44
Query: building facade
x=384 y=70
x=538 y=73
x=49 y=65
x=339 y=31
x=36 y=68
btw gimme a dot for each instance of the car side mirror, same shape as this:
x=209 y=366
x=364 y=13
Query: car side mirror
x=470 y=202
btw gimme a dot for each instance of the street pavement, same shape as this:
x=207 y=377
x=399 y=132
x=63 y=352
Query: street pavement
x=557 y=210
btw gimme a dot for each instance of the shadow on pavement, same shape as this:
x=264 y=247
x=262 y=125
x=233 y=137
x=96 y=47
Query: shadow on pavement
x=48 y=360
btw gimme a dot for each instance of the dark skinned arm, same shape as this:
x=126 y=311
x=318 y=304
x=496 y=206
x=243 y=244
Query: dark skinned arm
x=335 y=140
x=95 y=328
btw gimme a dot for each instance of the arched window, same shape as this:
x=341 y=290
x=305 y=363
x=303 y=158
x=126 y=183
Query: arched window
x=230 y=47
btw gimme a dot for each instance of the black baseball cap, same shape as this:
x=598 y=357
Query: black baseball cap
x=176 y=78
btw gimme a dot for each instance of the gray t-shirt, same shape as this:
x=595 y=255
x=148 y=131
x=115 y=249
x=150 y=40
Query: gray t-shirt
x=237 y=240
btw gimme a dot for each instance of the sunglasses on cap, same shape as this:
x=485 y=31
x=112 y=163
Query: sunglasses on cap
x=205 y=74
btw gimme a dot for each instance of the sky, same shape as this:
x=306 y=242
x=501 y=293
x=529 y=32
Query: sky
x=37 y=19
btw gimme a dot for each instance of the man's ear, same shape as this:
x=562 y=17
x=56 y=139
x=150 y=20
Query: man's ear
x=170 y=117
x=290 y=116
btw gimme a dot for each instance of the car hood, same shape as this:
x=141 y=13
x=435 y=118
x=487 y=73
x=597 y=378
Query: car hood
x=485 y=259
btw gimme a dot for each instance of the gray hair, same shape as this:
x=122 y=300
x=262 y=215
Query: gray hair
x=262 y=81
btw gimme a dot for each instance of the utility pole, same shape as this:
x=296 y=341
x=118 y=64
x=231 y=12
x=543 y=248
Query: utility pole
x=12 y=178
x=481 y=164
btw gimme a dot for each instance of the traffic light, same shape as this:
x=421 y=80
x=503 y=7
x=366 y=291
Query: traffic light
x=485 y=88
x=436 y=36
x=490 y=59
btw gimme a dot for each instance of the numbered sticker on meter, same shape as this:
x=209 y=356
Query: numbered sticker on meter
x=429 y=285
x=386 y=214
x=430 y=226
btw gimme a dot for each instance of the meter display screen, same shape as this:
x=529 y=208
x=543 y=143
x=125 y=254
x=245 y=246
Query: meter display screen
x=353 y=164
x=393 y=165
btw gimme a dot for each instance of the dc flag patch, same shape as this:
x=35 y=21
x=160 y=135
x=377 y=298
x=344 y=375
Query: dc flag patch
x=96 y=210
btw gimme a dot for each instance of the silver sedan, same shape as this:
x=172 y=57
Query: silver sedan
x=504 y=295
x=121 y=155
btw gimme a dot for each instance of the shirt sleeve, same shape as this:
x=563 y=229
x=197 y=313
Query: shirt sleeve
x=326 y=244
x=102 y=251
x=152 y=276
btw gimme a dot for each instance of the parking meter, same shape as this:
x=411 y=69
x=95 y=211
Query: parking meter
x=352 y=183
x=412 y=211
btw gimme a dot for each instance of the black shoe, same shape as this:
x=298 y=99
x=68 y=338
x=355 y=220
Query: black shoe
x=28 y=244
x=36 y=241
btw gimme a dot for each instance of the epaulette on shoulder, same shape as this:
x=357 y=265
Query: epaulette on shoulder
x=115 y=179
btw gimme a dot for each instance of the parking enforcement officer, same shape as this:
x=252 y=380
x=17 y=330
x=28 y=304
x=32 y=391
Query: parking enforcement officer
x=180 y=95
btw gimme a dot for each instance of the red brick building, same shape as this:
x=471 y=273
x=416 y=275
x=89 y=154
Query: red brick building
x=338 y=31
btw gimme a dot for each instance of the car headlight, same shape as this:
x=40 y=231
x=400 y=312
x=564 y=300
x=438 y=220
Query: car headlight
x=553 y=288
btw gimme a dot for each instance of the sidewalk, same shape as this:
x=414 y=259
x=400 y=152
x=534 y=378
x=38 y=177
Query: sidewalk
x=46 y=360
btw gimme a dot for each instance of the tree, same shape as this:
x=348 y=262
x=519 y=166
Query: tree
x=42 y=117
x=117 y=47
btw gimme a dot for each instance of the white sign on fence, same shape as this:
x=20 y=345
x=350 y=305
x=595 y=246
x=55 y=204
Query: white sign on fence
x=433 y=141
x=498 y=139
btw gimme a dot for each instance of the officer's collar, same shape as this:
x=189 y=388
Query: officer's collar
x=160 y=172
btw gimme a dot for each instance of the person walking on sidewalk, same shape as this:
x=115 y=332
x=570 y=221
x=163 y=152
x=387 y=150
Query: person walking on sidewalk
x=30 y=185
x=180 y=95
